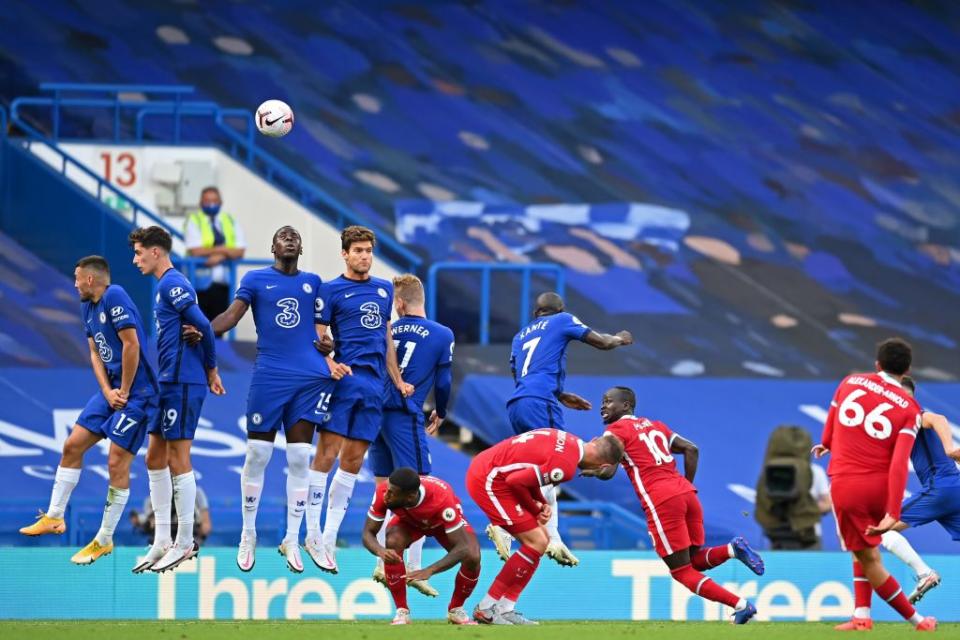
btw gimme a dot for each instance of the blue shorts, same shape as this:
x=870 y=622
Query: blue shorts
x=357 y=406
x=180 y=406
x=275 y=402
x=127 y=427
x=402 y=443
x=941 y=504
x=527 y=414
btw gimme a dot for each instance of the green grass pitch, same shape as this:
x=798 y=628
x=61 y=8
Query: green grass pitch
x=257 y=630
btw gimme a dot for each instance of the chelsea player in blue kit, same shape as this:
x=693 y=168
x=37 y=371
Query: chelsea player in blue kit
x=425 y=354
x=121 y=411
x=185 y=372
x=934 y=459
x=356 y=307
x=538 y=360
x=291 y=388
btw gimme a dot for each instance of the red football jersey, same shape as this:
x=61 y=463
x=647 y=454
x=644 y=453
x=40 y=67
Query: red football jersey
x=554 y=455
x=868 y=413
x=647 y=459
x=438 y=507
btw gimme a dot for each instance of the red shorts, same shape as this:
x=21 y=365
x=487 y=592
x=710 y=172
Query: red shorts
x=858 y=502
x=675 y=524
x=499 y=504
x=439 y=534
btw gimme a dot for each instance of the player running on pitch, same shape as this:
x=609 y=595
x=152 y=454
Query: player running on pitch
x=674 y=514
x=934 y=461
x=870 y=429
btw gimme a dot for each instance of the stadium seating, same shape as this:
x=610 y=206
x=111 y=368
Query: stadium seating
x=817 y=221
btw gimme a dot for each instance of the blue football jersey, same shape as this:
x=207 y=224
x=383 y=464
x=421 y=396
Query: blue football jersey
x=423 y=346
x=357 y=312
x=933 y=466
x=102 y=321
x=286 y=310
x=538 y=357
x=179 y=362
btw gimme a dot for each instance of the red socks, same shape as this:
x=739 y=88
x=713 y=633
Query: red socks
x=710 y=557
x=397 y=583
x=516 y=574
x=862 y=591
x=463 y=586
x=704 y=586
x=893 y=594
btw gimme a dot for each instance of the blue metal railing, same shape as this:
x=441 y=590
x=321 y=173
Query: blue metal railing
x=486 y=269
x=241 y=146
x=67 y=160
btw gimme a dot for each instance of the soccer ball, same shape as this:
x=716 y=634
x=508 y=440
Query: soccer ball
x=274 y=118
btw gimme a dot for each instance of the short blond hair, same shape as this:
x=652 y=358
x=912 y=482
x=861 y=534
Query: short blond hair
x=408 y=288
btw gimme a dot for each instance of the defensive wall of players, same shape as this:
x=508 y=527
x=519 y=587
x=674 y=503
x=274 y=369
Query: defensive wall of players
x=609 y=585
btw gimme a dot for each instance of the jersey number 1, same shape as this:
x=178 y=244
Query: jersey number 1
x=408 y=348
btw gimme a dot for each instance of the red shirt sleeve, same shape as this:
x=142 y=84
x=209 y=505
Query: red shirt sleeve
x=525 y=485
x=378 y=508
x=897 y=478
x=827 y=438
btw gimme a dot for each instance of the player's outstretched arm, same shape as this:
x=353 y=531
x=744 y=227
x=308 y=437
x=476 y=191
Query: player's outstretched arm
x=573 y=401
x=941 y=426
x=463 y=543
x=606 y=341
x=691 y=455
x=229 y=318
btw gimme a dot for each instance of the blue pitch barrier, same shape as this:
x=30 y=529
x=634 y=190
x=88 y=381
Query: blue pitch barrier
x=42 y=584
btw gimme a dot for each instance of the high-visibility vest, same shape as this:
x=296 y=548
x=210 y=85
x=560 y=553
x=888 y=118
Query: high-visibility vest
x=227 y=225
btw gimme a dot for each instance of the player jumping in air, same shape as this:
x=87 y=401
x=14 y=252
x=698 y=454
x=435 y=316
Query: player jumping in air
x=538 y=360
x=356 y=307
x=934 y=461
x=425 y=354
x=870 y=429
x=185 y=372
x=507 y=480
x=291 y=388
x=422 y=506
x=669 y=499
x=122 y=411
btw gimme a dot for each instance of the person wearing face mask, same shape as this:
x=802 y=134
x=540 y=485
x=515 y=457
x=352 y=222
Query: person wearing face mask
x=217 y=236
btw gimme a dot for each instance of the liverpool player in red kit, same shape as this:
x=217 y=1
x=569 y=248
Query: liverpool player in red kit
x=506 y=482
x=422 y=506
x=870 y=430
x=674 y=514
